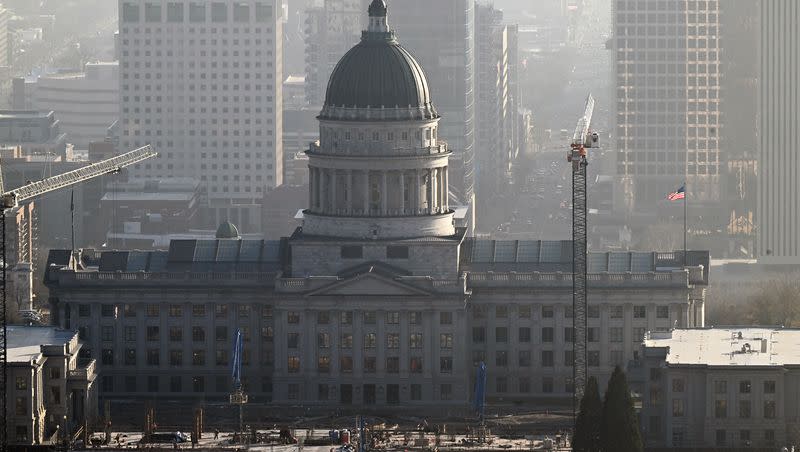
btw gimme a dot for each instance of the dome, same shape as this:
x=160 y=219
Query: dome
x=227 y=230
x=378 y=74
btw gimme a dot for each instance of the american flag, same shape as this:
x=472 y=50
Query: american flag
x=678 y=195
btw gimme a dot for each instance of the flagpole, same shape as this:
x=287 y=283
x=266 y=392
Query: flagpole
x=685 y=229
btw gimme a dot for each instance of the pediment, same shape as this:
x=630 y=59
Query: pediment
x=369 y=284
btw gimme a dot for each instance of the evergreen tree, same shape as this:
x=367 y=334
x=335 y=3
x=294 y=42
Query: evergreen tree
x=619 y=430
x=587 y=426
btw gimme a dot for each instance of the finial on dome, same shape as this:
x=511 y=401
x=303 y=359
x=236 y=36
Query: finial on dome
x=378 y=23
x=377 y=8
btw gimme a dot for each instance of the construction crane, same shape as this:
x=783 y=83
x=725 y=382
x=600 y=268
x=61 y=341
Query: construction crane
x=10 y=200
x=582 y=140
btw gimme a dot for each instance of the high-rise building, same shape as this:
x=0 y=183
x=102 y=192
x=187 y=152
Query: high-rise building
x=667 y=63
x=5 y=43
x=330 y=32
x=778 y=198
x=497 y=121
x=202 y=83
x=441 y=35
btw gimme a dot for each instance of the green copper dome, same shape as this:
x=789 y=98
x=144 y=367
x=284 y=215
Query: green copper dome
x=227 y=230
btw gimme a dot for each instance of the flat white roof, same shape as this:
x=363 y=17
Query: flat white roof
x=25 y=342
x=729 y=346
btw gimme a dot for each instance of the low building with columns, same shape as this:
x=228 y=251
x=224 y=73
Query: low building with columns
x=379 y=298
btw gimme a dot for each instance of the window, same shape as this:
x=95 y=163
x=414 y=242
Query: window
x=415 y=318
x=107 y=384
x=547 y=358
x=323 y=392
x=639 y=312
x=616 y=312
x=176 y=358
x=324 y=364
x=720 y=387
x=501 y=384
x=153 y=357
x=415 y=365
x=769 y=409
x=446 y=364
x=524 y=311
x=352 y=252
x=130 y=356
x=569 y=358
x=617 y=357
x=392 y=340
x=244 y=311
x=501 y=358
x=323 y=318
x=744 y=436
x=266 y=313
x=524 y=334
x=615 y=334
x=677 y=408
x=593 y=358
x=501 y=334
x=370 y=318
x=22 y=433
x=662 y=312
x=547 y=384
x=524 y=358
x=107 y=357
x=175 y=334
x=174 y=12
x=720 y=437
x=198 y=334
x=370 y=365
x=221 y=311
x=393 y=318
x=720 y=409
x=370 y=340
x=21 y=406
x=769 y=387
x=293 y=391
x=130 y=12
x=397 y=252
x=241 y=12
x=221 y=358
x=547 y=334
x=267 y=333
x=219 y=12
x=130 y=334
x=152 y=334
x=744 y=409
x=547 y=312
x=292 y=340
x=221 y=333
x=446 y=341
x=416 y=392
x=569 y=312
x=393 y=365
x=21 y=384
x=569 y=334
x=638 y=335
x=129 y=310
x=478 y=356
x=393 y=394
x=175 y=384
x=524 y=385
x=346 y=318
x=593 y=334
x=292 y=317
x=769 y=437
x=346 y=364
x=678 y=384
x=198 y=384
x=199 y=358
x=107 y=333
x=293 y=364
x=152 y=12
x=175 y=310
x=108 y=310
x=478 y=335
x=594 y=312
x=346 y=341
x=445 y=318
x=84 y=310
x=153 y=310
x=745 y=387
x=323 y=340
x=501 y=311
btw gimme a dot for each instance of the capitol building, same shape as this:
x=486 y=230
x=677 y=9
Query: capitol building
x=380 y=298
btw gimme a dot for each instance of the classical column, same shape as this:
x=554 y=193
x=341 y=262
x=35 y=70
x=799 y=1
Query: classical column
x=334 y=204
x=349 y=192
x=366 y=193
x=432 y=191
x=310 y=188
x=384 y=195
x=402 y=193
x=320 y=190
x=446 y=189
x=417 y=188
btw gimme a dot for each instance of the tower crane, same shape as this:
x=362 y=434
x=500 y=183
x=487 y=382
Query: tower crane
x=11 y=199
x=582 y=140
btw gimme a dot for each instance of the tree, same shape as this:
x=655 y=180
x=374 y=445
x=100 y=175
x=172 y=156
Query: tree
x=619 y=430
x=587 y=426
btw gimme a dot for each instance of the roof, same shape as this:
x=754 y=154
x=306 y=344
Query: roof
x=227 y=230
x=379 y=73
x=25 y=342
x=726 y=347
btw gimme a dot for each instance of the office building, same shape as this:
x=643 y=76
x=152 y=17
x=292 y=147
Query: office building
x=51 y=391
x=731 y=388
x=202 y=82
x=778 y=201
x=441 y=36
x=498 y=121
x=667 y=71
x=379 y=299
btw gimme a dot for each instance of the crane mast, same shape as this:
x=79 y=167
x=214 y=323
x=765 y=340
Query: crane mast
x=577 y=157
x=11 y=199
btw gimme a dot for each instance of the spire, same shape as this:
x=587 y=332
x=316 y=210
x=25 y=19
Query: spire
x=378 y=22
